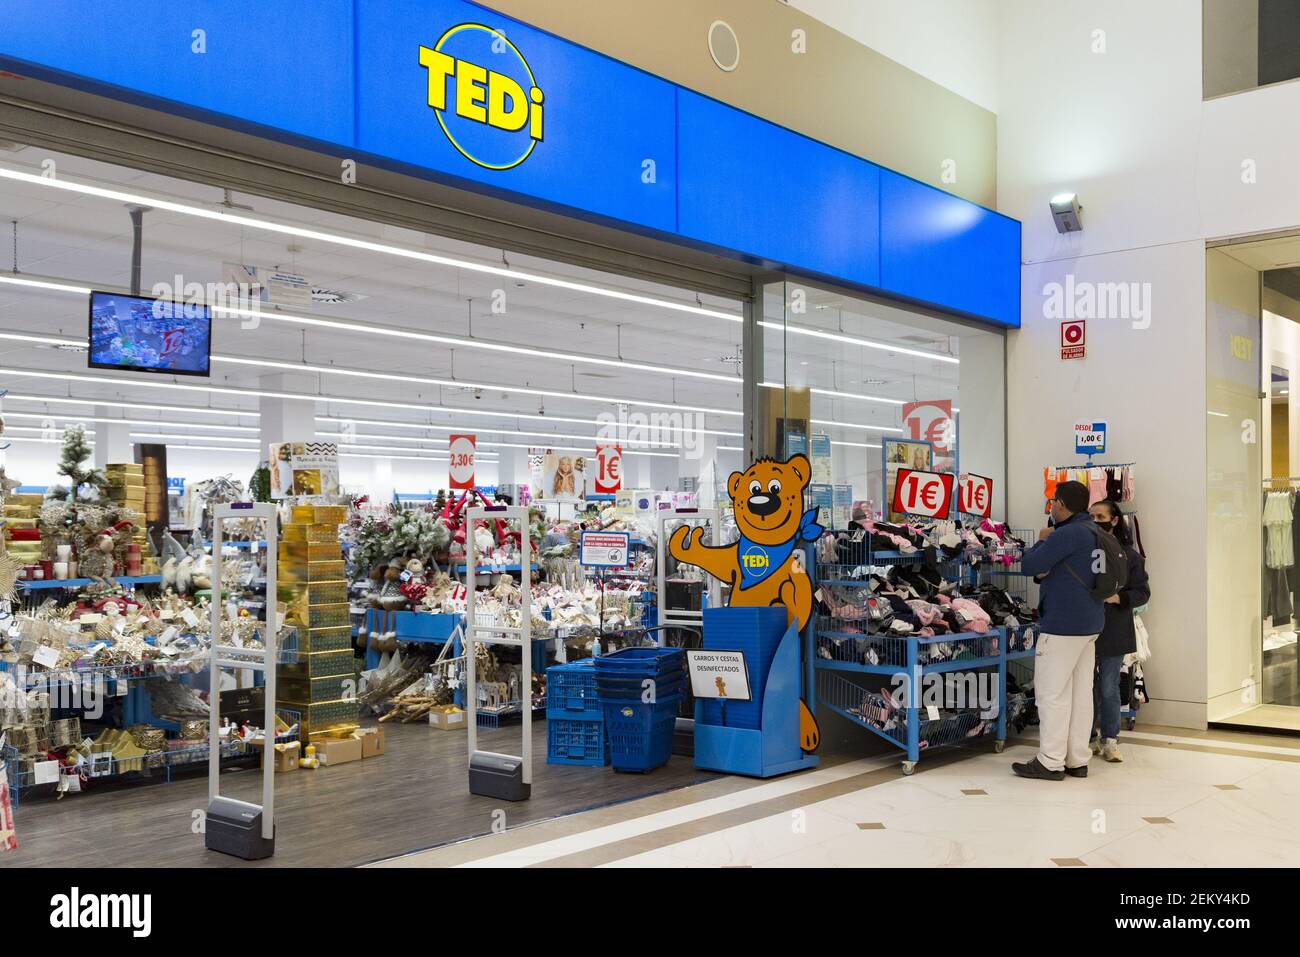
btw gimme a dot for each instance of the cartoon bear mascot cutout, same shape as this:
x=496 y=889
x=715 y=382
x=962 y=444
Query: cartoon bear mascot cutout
x=765 y=567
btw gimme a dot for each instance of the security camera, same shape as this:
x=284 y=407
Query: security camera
x=1065 y=212
x=478 y=393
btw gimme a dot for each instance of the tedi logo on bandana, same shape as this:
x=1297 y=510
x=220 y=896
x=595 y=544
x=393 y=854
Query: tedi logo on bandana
x=485 y=96
x=757 y=563
x=76 y=910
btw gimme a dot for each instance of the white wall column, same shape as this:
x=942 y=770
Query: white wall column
x=286 y=420
x=113 y=443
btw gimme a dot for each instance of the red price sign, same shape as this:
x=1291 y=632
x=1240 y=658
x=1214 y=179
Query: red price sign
x=462 y=450
x=609 y=469
x=975 y=495
x=923 y=493
x=932 y=422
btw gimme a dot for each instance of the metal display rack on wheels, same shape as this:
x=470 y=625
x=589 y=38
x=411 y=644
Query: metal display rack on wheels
x=842 y=646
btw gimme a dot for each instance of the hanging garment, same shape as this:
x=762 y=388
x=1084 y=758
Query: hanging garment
x=1135 y=531
x=1049 y=484
x=1279 y=550
x=1096 y=486
x=1275 y=590
x=1129 y=485
x=1295 y=550
x=1114 y=484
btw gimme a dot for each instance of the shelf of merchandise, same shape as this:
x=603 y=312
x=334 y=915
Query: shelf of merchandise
x=906 y=660
x=126 y=681
x=256 y=546
x=492 y=569
x=127 y=581
x=145 y=765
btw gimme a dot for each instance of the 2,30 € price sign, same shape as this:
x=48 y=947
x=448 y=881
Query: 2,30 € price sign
x=923 y=493
x=461 y=472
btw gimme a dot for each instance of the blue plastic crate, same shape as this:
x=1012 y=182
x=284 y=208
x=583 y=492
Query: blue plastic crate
x=621 y=691
x=571 y=689
x=578 y=741
x=640 y=735
x=641 y=660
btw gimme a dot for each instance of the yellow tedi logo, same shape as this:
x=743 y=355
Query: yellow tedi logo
x=485 y=96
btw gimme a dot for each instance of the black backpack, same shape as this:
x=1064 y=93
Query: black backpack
x=1114 y=565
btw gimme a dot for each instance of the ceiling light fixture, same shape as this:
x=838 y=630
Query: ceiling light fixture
x=197 y=410
x=459 y=342
x=509 y=415
x=854 y=340
x=90 y=418
x=462 y=384
x=226 y=216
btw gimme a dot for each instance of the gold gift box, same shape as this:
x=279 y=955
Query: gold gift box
x=324 y=717
x=310 y=551
x=320 y=616
x=320 y=514
x=134 y=468
x=26 y=498
x=20 y=522
x=19 y=511
x=313 y=641
x=314 y=593
x=302 y=532
x=302 y=570
x=324 y=688
x=322 y=664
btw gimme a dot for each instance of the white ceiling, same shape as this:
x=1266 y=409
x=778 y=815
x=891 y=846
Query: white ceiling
x=87 y=240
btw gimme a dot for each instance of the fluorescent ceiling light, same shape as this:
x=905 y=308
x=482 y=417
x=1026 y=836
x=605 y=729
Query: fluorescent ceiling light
x=452 y=410
x=460 y=342
x=226 y=216
x=197 y=410
x=409 y=458
x=262 y=393
x=42 y=284
x=206 y=438
x=857 y=445
x=209 y=448
x=838 y=395
x=19 y=438
x=51 y=431
x=90 y=418
x=855 y=340
x=384 y=448
x=455 y=429
x=589 y=449
x=854 y=425
x=462 y=384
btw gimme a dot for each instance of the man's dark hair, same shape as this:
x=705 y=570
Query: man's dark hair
x=1073 y=495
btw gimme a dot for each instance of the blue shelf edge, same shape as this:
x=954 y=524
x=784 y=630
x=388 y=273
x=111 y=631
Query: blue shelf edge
x=82 y=582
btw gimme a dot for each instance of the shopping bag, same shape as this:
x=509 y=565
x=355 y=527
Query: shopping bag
x=8 y=836
x=1140 y=630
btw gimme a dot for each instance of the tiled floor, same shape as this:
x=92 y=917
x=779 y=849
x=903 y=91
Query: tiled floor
x=1180 y=799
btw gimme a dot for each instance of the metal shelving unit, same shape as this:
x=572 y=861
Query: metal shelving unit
x=841 y=648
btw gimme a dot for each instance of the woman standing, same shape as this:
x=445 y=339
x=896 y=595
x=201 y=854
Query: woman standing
x=1118 y=637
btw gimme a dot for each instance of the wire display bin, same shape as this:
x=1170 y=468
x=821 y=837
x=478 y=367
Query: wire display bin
x=916 y=692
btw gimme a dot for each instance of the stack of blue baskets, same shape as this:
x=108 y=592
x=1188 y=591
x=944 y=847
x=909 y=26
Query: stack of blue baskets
x=575 y=722
x=640 y=731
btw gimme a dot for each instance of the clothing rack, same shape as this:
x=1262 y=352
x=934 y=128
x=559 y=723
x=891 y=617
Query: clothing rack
x=1282 y=479
x=1093 y=465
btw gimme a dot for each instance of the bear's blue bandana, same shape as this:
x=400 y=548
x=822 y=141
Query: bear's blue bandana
x=759 y=561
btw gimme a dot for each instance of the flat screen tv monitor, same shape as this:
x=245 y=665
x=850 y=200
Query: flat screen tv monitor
x=143 y=334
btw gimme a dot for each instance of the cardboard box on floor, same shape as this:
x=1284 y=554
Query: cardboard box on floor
x=286 y=753
x=447 y=718
x=372 y=741
x=333 y=751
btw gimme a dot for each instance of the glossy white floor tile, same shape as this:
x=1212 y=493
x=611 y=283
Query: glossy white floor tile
x=1101 y=820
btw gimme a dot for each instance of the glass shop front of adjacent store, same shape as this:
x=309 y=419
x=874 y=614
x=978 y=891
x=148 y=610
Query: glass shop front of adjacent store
x=412 y=370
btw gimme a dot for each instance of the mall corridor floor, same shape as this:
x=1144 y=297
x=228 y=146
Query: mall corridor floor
x=1180 y=799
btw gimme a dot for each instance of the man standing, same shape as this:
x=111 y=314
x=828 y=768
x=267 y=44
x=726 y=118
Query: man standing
x=1064 y=562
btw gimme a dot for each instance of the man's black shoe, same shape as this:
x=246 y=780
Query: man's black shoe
x=1035 y=769
x=1079 y=772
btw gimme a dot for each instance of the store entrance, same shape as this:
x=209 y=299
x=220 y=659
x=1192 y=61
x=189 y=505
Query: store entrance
x=1253 y=432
